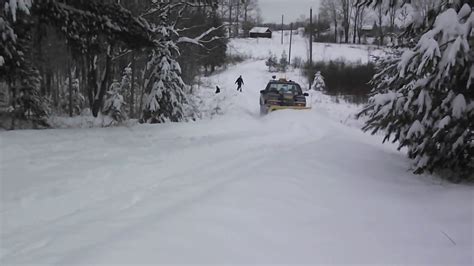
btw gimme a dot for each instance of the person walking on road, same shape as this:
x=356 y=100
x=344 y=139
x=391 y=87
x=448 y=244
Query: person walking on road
x=239 y=83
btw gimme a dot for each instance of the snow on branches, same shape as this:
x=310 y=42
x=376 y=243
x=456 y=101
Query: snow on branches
x=12 y=6
x=114 y=103
x=318 y=82
x=424 y=97
x=200 y=39
x=165 y=99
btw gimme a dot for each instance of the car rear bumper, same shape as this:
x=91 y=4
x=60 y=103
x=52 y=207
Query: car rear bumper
x=272 y=108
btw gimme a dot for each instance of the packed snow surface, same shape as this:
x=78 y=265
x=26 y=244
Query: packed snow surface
x=290 y=187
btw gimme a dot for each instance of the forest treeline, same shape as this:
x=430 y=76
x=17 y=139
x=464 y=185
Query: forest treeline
x=124 y=59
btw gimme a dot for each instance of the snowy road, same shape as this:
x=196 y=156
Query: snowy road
x=291 y=187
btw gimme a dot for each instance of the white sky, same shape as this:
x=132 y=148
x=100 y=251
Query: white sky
x=292 y=9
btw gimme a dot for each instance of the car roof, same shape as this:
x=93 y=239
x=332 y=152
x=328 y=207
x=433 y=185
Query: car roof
x=282 y=82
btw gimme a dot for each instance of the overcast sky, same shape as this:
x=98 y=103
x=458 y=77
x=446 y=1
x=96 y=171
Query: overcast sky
x=292 y=9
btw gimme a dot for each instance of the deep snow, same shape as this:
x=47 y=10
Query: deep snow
x=291 y=187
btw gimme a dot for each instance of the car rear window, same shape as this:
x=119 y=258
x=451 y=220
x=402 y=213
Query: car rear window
x=284 y=88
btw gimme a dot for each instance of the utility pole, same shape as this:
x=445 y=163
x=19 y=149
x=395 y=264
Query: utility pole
x=70 y=87
x=319 y=26
x=311 y=37
x=132 y=87
x=282 y=29
x=310 y=46
x=291 y=39
x=237 y=18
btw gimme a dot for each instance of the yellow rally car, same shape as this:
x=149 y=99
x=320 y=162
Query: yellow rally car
x=282 y=94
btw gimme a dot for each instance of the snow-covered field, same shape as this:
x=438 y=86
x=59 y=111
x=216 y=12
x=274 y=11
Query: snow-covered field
x=290 y=187
x=261 y=48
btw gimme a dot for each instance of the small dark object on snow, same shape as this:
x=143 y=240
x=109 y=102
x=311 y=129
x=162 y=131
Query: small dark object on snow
x=218 y=90
x=239 y=83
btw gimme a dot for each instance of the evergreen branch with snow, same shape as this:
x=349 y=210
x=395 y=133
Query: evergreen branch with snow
x=424 y=97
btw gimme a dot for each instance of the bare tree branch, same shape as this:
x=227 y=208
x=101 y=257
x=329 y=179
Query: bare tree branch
x=199 y=39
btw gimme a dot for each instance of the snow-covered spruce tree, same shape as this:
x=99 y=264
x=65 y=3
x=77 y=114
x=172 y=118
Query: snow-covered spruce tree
x=166 y=99
x=114 y=103
x=318 y=82
x=424 y=97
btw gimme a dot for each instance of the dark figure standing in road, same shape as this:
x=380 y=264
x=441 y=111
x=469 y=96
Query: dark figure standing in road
x=239 y=83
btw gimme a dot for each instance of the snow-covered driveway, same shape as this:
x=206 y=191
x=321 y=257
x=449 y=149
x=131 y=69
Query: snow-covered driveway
x=291 y=187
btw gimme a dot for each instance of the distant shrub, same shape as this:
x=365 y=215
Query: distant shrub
x=277 y=65
x=342 y=78
x=234 y=59
x=327 y=38
x=283 y=66
x=272 y=63
x=297 y=62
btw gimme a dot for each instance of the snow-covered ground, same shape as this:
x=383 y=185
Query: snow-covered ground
x=290 y=187
x=261 y=48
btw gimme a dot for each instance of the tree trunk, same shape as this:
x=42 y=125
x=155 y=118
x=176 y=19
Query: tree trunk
x=70 y=88
x=132 y=87
x=83 y=75
x=393 y=14
x=56 y=91
x=237 y=19
x=49 y=82
x=355 y=24
x=346 y=28
x=91 y=80
x=142 y=93
x=380 y=26
x=103 y=86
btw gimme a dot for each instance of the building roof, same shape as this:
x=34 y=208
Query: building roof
x=260 y=30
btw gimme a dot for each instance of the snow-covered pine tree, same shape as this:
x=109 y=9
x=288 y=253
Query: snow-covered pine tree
x=318 y=82
x=114 y=103
x=166 y=99
x=424 y=97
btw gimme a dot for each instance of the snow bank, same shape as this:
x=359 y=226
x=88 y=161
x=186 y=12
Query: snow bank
x=85 y=121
